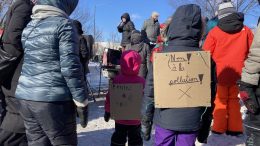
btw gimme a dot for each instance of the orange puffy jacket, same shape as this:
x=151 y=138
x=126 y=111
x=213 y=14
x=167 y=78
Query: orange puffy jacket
x=229 y=51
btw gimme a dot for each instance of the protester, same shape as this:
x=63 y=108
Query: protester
x=229 y=44
x=52 y=76
x=147 y=120
x=177 y=126
x=250 y=92
x=210 y=24
x=207 y=116
x=90 y=45
x=161 y=39
x=125 y=27
x=126 y=130
x=12 y=131
x=138 y=44
x=84 y=51
x=151 y=29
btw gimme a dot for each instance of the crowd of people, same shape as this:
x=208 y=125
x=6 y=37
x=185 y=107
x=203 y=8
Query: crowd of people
x=44 y=58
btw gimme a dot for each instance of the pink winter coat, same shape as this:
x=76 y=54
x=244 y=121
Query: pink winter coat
x=130 y=64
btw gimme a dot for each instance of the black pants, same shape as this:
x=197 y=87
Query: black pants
x=47 y=124
x=122 y=133
x=12 y=139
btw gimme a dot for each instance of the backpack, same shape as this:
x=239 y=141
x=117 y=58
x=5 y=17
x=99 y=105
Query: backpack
x=90 y=42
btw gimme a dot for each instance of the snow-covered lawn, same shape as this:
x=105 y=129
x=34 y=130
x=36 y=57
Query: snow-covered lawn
x=98 y=132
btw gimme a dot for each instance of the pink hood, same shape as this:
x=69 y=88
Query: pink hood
x=130 y=63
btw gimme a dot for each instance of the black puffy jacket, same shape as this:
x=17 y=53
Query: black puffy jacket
x=18 y=16
x=126 y=28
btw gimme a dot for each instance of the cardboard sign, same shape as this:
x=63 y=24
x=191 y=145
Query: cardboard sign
x=126 y=101
x=182 y=79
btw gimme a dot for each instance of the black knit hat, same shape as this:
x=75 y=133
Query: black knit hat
x=78 y=25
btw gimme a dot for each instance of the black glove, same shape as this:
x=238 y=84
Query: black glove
x=82 y=113
x=247 y=95
x=146 y=128
x=107 y=116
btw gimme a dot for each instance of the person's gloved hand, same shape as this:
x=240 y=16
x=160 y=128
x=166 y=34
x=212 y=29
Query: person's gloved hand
x=82 y=112
x=152 y=43
x=83 y=116
x=107 y=116
x=247 y=95
x=146 y=128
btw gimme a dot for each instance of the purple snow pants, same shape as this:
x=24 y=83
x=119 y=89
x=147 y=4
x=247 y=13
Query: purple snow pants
x=164 y=137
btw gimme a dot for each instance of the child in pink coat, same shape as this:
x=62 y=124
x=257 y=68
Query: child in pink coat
x=126 y=129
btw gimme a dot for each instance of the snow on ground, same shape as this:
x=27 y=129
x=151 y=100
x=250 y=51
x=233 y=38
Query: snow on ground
x=98 y=132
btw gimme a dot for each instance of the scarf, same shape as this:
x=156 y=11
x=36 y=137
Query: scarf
x=44 y=11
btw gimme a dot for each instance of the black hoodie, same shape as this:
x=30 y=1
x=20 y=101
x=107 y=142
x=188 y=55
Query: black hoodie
x=184 y=34
x=232 y=23
x=126 y=28
x=143 y=49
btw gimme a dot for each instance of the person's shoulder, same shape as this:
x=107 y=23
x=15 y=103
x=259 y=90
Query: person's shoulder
x=62 y=23
x=215 y=31
x=21 y=5
x=130 y=22
x=140 y=79
x=147 y=20
x=117 y=79
x=246 y=28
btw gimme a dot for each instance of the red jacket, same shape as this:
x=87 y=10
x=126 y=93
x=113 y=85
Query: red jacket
x=130 y=64
x=229 y=51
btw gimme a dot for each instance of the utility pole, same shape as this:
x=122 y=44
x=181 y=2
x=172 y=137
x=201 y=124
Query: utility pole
x=94 y=33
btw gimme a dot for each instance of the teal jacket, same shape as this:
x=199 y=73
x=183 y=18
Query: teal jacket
x=51 y=70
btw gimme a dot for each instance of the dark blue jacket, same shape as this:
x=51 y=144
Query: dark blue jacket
x=184 y=35
x=51 y=70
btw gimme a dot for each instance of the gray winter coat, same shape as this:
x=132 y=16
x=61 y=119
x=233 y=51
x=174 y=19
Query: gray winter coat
x=251 y=75
x=251 y=71
x=151 y=30
x=137 y=44
x=51 y=70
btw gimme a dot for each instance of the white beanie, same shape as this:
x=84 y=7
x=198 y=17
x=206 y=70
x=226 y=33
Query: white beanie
x=225 y=9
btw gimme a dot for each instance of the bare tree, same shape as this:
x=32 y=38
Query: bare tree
x=113 y=39
x=98 y=34
x=85 y=17
x=87 y=20
x=209 y=7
